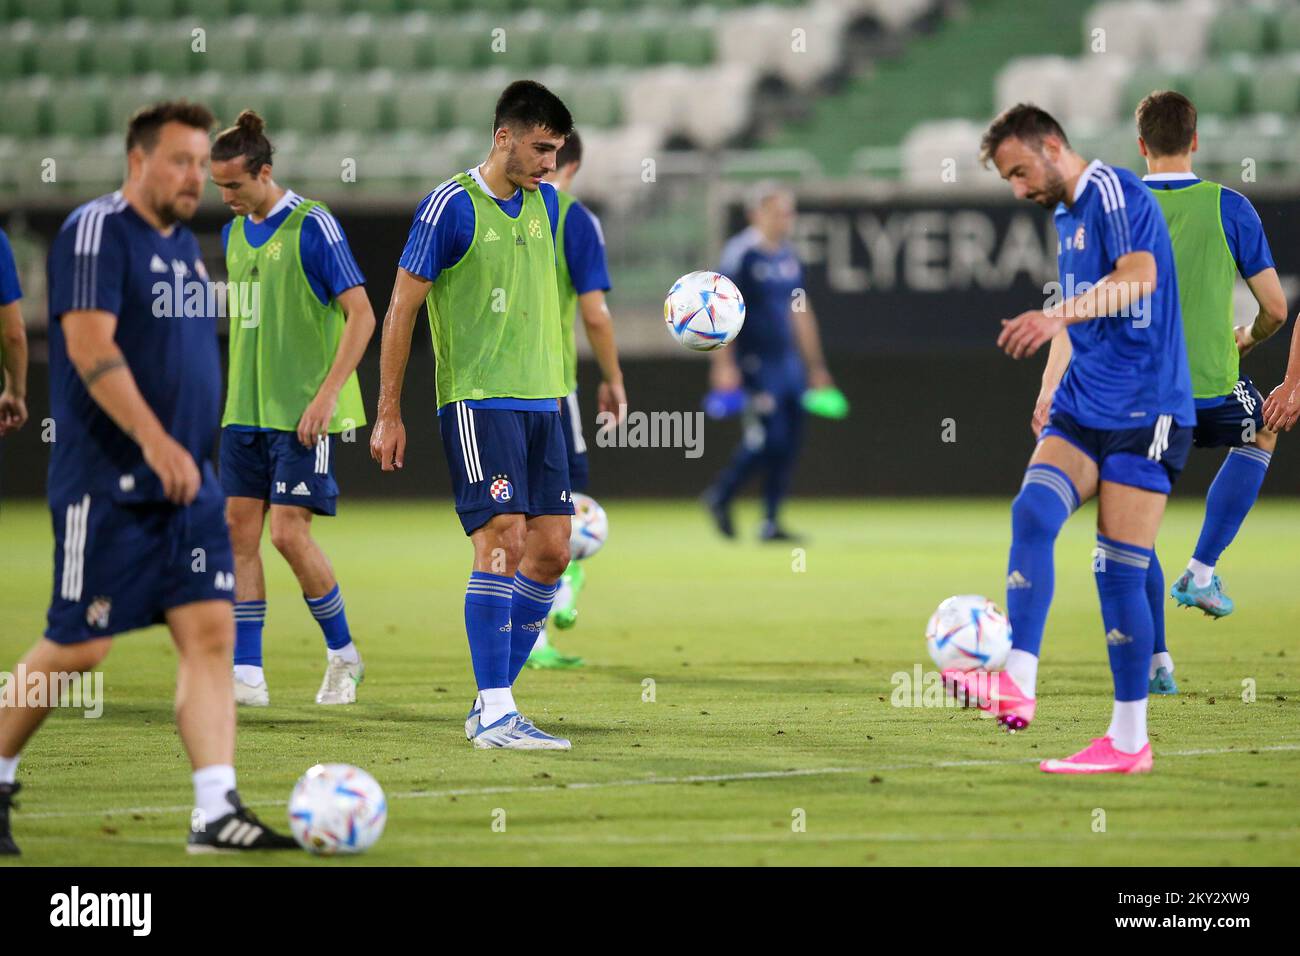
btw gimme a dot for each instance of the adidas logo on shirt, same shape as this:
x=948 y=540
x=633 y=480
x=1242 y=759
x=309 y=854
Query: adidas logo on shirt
x=156 y=264
x=300 y=489
x=490 y=235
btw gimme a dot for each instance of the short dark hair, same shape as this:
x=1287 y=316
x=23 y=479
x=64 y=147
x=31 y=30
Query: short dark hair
x=1025 y=122
x=526 y=104
x=246 y=138
x=1166 y=121
x=147 y=122
x=570 y=152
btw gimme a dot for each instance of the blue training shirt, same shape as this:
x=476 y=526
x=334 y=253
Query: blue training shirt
x=584 y=250
x=767 y=280
x=1125 y=370
x=107 y=258
x=10 y=290
x=441 y=234
x=326 y=256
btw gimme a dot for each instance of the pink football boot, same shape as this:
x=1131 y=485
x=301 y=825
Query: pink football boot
x=1100 y=756
x=993 y=691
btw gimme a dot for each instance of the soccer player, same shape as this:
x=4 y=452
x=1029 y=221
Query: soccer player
x=775 y=358
x=139 y=525
x=584 y=280
x=1119 y=427
x=1216 y=235
x=13 y=344
x=293 y=388
x=481 y=250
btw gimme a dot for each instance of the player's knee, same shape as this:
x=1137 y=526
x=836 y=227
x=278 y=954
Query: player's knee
x=289 y=535
x=87 y=655
x=1037 y=513
x=552 y=558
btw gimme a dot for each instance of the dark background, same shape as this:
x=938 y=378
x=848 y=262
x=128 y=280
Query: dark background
x=908 y=325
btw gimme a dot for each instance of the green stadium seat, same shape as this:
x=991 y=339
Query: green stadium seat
x=525 y=48
x=213 y=11
x=116 y=53
x=386 y=7
x=554 y=7
x=170 y=51
x=324 y=8
x=42 y=11
x=420 y=107
x=472 y=105
x=347 y=50
x=24 y=111
x=690 y=43
x=308 y=110
x=576 y=48
x=1216 y=88
x=262 y=93
x=401 y=49
x=1146 y=80
x=1274 y=87
x=154 y=10
x=78 y=110
x=58 y=55
x=1288 y=29
x=595 y=104
x=230 y=50
x=14 y=57
x=461 y=48
x=1240 y=30
x=286 y=49
x=263 y=9
x=631 y=45
x=99 y=10
x=362 y=109
x=495 y=6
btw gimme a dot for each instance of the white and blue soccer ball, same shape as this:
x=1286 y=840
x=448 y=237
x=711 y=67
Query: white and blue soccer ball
x=704 y=311
x=969 y=631
x=590 y=527
x=337 y=809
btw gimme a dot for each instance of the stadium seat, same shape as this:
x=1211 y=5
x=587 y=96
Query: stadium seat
x=324 y=8
x=1288 y=29
x=1274 y=87
x=402 y=48
x=382 y=7
x=56 y=54
x=152 y=10
x=691 y=44
x=286 y=48
x=116 y=53
x=1240 y=30
x=472 y=104
x=78 y=109
x=13 y=56
x=461 y=47
x=1216 y=87
x=24 y=108
x=580 y=46
x=43 y=11
x=1145 y=80
x=348 y=50
x=170 y=51
x=595 y=104
x=308 y=109
x=102 y=11
x=631 y=45
x=262 y=93
x=231 y=49
x=363 y=108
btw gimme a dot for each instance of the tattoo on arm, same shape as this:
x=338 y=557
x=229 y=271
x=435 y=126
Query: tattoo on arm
x=100 y=369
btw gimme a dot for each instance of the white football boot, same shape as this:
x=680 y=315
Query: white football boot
x=252 y=695
x=516 y=732
x=340 y=683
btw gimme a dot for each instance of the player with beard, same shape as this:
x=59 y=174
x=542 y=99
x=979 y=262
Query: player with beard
x=135 y=386
x=481 y=251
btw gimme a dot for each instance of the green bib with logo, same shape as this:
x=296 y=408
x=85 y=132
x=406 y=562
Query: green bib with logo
x=282 y=340
x=495 y=314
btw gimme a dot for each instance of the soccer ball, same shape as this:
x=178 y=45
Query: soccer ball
x=704 y=311
x=590 y=527
x=968 y=631
x=337 y=808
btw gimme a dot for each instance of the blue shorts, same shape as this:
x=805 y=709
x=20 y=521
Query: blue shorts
x=119 y=567
x=1233 y=422
x=575 y=443
x=1148 y=457
x=276 y=467
x=504 y=461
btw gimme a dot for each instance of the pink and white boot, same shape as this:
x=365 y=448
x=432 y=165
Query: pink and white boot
x=1100 y=756
x=995 y=692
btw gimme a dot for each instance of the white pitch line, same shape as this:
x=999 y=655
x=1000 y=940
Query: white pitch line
x=660 y=781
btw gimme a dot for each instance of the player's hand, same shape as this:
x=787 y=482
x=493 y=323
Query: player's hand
x=13 y=412
x=1042 y=411
x=315 y=421
x=611 y=398
x=1024 y=335
x=388 y=442
x=819 y=377
x=1282 y=407
x=175 y=468
x=1245 y=341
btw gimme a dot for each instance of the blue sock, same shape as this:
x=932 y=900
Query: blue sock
x=1047 y=498
x=1156 y=598
x=487 y=622
x=249 y=618
x=1231 y=496
x=1121 y=572
x=529 y=605
x=333 y=620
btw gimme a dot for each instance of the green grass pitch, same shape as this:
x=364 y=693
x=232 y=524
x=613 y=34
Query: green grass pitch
x=772 y=695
